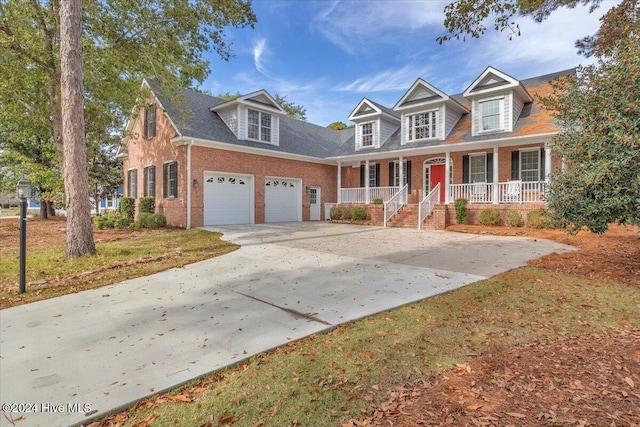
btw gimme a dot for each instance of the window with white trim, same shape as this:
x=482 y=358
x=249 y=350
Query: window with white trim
x=396 y=173
x=170 y=173
x=132 y=183
x=478 y=167
x=258 y=126
x=530 y=165
x=149 y=178
x=491 y=114
x=149 y=130
x=372 y=175
x=366 y=134
x=422 y=126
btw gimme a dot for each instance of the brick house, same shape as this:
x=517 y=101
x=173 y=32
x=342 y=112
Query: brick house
x=208 y=161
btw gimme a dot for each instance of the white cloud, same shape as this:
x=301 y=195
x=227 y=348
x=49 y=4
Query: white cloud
x=387 y=80
x=355 y=26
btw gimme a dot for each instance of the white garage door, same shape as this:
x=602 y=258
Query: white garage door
x=227 y=199
x=282 y=200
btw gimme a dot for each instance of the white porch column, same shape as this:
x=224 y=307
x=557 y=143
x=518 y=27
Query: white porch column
x=339 y=181
x=447 y=178
x=547 y=162
x=367 y=197
x=496 y=176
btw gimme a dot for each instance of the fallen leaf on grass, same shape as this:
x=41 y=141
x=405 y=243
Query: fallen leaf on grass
x=227 y=420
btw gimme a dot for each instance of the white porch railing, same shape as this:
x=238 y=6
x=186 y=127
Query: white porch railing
x=359 y=195
x=393 y=205
x=508 y=192
x=426 y=205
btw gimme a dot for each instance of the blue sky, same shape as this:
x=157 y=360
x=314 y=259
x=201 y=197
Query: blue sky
x=327 y=55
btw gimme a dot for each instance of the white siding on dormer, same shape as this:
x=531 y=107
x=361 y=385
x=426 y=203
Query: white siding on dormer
x=242 y=122
x=518 y=105
x=452 y=119
x=275 y=130
x=230 y=117
x=386 y=130
x=506 y=111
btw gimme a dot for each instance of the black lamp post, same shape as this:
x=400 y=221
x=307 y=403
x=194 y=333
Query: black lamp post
x=23 y=191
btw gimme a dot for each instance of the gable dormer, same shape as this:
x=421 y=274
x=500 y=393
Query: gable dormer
x=427 y=113
x=497 y=100
x=253 y=117
x=374 y=124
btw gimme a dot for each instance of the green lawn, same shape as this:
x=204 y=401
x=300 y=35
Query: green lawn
x=332 y=377
x=144 y=253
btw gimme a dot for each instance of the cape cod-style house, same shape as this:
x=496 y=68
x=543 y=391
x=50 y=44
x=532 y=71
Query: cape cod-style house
x=208 y=161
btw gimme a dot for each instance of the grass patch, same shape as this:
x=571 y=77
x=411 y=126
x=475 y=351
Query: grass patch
x=115 y=261
x=332 y=377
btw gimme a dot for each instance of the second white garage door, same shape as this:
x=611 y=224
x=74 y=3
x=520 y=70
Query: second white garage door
x=283 y=200
x=228 y=199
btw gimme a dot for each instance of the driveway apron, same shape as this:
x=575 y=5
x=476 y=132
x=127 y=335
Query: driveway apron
x=66 y=360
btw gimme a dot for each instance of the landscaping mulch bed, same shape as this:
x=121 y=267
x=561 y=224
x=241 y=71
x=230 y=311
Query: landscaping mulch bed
x=585 y=381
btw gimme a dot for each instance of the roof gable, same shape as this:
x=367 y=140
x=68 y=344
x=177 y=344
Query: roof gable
x=368 y=109
x=259 y=99
x=421 y=94
x=492 y=80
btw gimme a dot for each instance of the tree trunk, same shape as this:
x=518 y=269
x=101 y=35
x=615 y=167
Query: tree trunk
x=43 y=210
x=50 y=209
x=76 y=181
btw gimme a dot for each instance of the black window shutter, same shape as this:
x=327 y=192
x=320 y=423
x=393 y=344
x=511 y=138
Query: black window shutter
x=145 y=181
x=408 y=173
x=465 y=169
x=362 y=176
x=145 y=122
x=542 y=165
x=377 y=174
x=515 y=165
x=392 y=170
x=164 y=179
x=489 y=167
x=175 y=181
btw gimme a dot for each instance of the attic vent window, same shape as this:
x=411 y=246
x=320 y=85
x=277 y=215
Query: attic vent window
x=259 y=126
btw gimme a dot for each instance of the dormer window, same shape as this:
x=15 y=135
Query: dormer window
x=422 y=126
x=367 y=134
x=259 y=126
x=491 y=111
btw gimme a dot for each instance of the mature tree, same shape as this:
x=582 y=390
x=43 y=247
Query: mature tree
x=599 y=111
x=465 y=18
x=123 y=41
x=295 y=111
x=339 y=126
x=619 y=22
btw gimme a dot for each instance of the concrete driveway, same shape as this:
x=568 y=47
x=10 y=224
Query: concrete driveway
x=100 y=350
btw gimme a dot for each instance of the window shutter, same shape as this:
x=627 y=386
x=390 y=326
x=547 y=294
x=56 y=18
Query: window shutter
x=377 y=174
x=408 y=173
x=164 y=179
x=362 y=176
x=392 y=173
x=145 y=181
x=145 y=122
x=542 y=165
x=515 y=165
x=175 y=181
x=489 y=167
x=465 y=169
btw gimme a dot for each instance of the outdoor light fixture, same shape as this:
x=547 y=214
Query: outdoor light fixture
x=195 y=183
x=23 y=191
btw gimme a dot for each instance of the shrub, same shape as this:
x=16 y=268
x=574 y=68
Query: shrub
x=147 y=205
x=377 y=201
x=540 y=218
x=148 y=220
x=489 y=216
x=347 y=213
x=513 y=219
x=110 y=219
x=359 y=213
x=461 y=211
x=128 y=209
x=335 y=213
x=102 y=221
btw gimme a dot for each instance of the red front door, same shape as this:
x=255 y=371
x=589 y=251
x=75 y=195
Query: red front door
x=436 y=175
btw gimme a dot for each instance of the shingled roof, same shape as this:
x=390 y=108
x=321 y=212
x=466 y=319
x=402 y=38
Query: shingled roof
x=190 y=112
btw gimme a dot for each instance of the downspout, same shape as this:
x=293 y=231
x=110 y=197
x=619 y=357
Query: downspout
x=189 y=184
